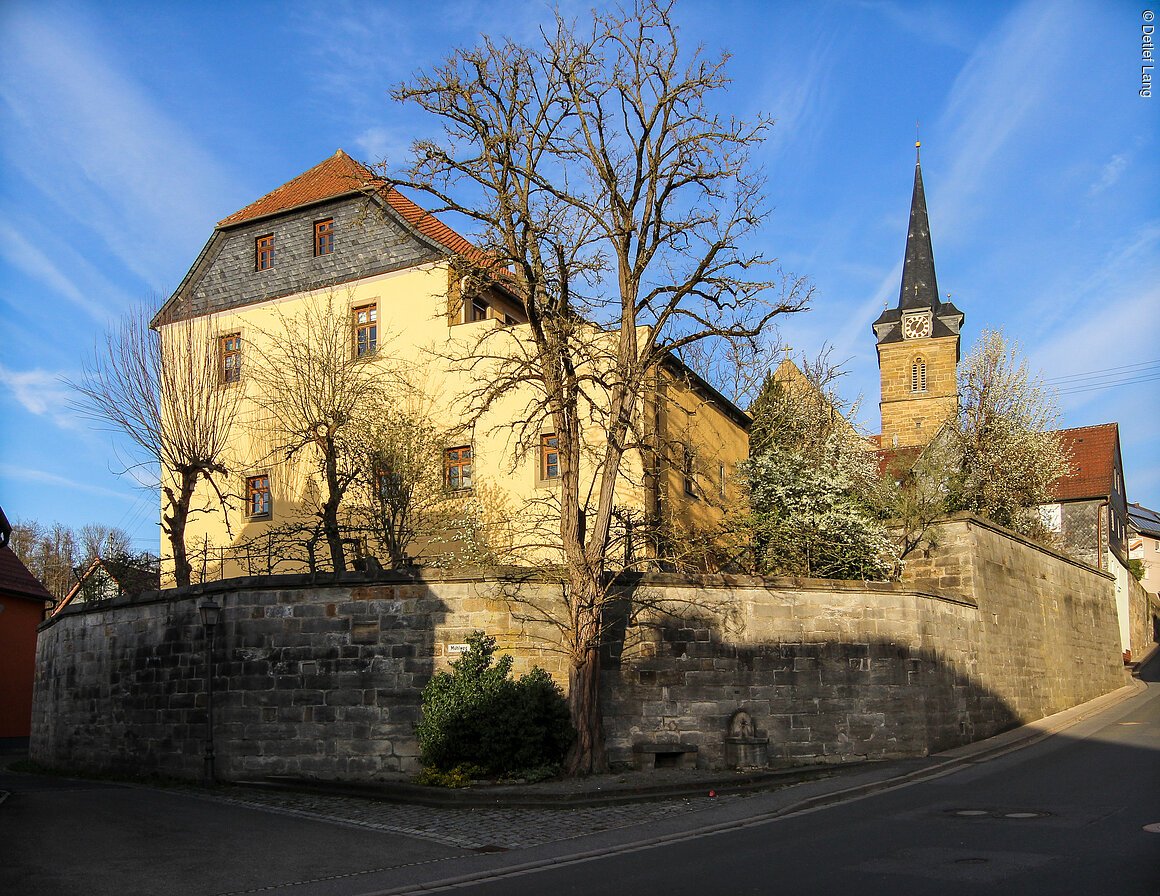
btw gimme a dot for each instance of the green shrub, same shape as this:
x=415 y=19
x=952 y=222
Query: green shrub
x=478 y=715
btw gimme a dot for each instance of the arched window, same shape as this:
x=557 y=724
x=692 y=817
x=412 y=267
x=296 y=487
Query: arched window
x=918 y=375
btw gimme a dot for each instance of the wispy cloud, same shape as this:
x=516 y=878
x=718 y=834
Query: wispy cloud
x=40 y=392
x=28 y=257
x=933 y=24
x=1109 y=174
x=97 y=146
x=992 y=101
x=22 y=474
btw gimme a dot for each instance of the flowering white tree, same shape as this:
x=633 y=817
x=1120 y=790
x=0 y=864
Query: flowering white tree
x=814 y=492
x=1005 y=454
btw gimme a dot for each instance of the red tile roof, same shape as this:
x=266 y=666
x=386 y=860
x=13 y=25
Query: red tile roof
x=1093 y=459
x=340 y=175
x=15 y=579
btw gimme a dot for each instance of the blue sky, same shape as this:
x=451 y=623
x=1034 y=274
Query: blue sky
x=128 y=129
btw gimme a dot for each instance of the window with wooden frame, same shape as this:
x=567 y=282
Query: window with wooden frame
x=457 y=467
x=477 y=310
x=264 y=247
x=230 y=353
x=688 y=470
x=549 y=457
x=366 y=330
x=324 y=237
x=258 y=496
x=918 y=375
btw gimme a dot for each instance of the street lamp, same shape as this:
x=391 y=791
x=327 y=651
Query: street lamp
x=211 y=615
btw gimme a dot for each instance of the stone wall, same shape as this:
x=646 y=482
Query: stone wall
x=322 y=679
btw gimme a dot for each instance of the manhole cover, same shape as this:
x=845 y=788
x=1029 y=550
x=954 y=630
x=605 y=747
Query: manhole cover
x=1025 y=814
x=1153 y=828
x=973 y=860
x=971 y=813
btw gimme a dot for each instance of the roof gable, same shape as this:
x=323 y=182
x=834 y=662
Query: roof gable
x=340 y=175
x=398 y=234
x=16 y=580
x=1094 y=452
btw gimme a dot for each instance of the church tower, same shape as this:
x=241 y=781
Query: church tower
x=918 y=342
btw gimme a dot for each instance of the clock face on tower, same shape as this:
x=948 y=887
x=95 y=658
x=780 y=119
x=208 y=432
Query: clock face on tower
x=915 y=326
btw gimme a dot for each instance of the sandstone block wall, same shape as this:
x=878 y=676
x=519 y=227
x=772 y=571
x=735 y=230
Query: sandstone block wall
x=320 y=679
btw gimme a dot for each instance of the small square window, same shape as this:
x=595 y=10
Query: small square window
x=258 y=495
x=324 y=237
x=366 y=330
x=457 y=467
x=479 y=310
x=549 y=457
x=230 y=352
x=265 y=249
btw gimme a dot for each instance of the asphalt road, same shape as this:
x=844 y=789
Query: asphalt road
x=1064 y=816
x=60 y=837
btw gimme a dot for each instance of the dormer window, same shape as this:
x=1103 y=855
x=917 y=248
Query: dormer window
x=265 y=252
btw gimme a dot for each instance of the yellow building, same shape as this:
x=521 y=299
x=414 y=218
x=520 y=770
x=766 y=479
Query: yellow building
x=338 y=240
x=918 y=343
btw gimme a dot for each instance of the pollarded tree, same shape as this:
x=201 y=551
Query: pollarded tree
x=325 y=383
x=164 y=391
x=620 y=207
x=1005 y=454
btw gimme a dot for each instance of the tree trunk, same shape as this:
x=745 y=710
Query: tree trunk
x=174 y=526
x=587 y=755
x=330 y=525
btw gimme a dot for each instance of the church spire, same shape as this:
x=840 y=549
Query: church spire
x=919 y=287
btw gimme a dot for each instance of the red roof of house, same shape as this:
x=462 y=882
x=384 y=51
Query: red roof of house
x=15 y=579
x=1092 y=450
x=340 y=175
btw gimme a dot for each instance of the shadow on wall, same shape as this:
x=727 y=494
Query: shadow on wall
x=827 y=701
x=323 y=679
x=313 y=680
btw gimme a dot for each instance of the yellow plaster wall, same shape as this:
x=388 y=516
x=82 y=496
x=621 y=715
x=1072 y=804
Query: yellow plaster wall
x=414 y=310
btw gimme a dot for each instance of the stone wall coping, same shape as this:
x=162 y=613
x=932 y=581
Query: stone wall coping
x=516 y=574
x=972 y=520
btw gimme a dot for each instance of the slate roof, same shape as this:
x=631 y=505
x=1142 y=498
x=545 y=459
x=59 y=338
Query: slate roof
x=16 y=580
x=1144 y=521
x=341 y=175
x=1093 y=460
x=919 y=288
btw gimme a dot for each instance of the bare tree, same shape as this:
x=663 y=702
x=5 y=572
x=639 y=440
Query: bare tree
x=103 y=541
x=165 y=392
x=323 y=392
x=57 y=555
x=619 y=208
